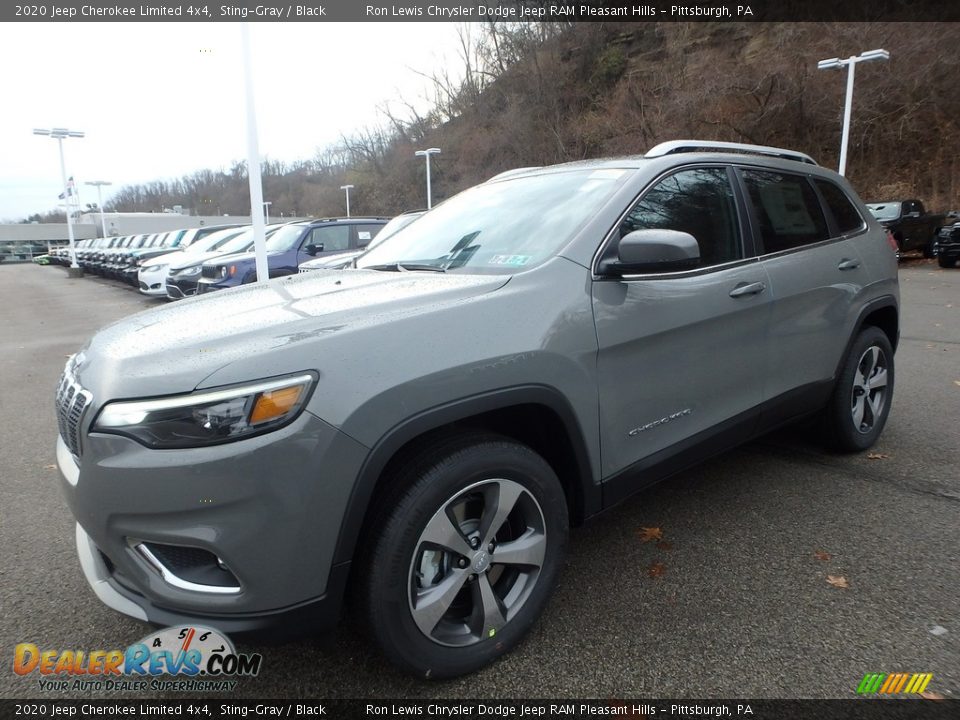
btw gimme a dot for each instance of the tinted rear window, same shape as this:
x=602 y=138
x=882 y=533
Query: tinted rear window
x=844 y=213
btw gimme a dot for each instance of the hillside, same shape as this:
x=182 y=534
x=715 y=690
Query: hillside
x=545 y=93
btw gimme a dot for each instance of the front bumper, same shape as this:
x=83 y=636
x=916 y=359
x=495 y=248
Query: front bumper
x=949 y=249
x=209 y=285
x=311 y=617
x=153 y=282
x=268 y=507
x=178 y=287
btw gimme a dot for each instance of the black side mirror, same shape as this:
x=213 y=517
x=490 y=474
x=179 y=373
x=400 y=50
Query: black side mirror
x=314 y=248
x=653 y=251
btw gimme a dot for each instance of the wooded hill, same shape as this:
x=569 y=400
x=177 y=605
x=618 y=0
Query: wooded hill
x=542 y=93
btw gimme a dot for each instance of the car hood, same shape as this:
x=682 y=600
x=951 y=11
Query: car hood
x=167 y=258
x=268 y=329
x=331 y=260
x=195 y=258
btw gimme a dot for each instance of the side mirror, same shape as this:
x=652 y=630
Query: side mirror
x=653 y=251
x=313 y=249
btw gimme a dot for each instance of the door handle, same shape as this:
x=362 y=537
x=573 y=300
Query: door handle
x=747 y=289
x=848 y=264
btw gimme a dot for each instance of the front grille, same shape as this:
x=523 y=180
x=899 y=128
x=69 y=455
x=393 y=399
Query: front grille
x=71 y=401
x=209 y=272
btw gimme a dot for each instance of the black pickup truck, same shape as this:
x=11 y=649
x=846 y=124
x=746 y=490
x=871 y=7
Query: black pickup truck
x=911 y=225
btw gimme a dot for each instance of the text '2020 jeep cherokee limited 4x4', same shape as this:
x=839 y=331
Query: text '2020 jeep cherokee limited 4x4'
x=421 y=432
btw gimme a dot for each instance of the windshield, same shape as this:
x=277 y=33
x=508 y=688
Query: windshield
x=286 y=238
x=393 y=227
x=500 y=227
x=884 y=211
x=241 y=240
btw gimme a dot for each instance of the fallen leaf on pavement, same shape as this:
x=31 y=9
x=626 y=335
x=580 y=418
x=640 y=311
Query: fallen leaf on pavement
x=838 y=581
x=931 y=695
x=664 y=545
x=648 y=534
x=957 y=383
x=49 y=467
x=877 y=456
x=823 y=555
x=656 y=570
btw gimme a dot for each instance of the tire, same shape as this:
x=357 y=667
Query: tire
x=929 y=250
x=946 y=262
x=431 y=590
x=861 y=399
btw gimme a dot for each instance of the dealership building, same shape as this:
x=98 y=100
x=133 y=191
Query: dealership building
x=21 y=242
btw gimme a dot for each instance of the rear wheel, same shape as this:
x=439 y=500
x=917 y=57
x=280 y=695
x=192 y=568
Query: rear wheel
x=466 y=551
x=861 y=400
x=945 y=262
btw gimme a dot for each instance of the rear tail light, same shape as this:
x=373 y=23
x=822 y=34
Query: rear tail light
x=893 y=241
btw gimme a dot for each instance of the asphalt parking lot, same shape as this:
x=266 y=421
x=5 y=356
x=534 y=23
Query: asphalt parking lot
x=740 y=606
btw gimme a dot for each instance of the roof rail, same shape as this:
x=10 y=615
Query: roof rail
x=685 y=146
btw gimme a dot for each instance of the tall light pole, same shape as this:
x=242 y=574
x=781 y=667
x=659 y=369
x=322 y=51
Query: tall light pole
x=98 y=184
x=426 y=154
x=850 y=63
x=59 y=134
x=266 y=211
x=347 y=189
x=253 y=161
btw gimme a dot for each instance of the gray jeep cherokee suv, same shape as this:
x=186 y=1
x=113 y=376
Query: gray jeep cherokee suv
x=418 y=434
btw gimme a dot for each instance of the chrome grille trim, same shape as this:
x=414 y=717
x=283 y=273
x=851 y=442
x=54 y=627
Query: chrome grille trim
x=71 y=402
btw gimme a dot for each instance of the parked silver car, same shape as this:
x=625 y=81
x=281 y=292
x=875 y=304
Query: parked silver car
x=421 y=432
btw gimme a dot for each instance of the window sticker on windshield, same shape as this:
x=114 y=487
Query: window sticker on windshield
x=515 y=260
x=363 y=234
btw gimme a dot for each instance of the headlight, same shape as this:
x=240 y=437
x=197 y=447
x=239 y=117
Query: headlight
x=208 y=417
x=223 y=271
x=193 y=270
x=154 y=268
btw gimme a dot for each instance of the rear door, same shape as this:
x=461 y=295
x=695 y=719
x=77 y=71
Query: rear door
x=681 y=354
x=815 y=276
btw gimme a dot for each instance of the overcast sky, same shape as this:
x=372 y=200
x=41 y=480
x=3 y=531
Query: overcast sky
x=161 y=100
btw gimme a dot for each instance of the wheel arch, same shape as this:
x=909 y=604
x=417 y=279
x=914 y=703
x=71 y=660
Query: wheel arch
x=538 y=416
x=882 y=313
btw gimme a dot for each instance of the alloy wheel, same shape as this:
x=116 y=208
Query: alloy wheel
x=476 y=562
x=868 y=396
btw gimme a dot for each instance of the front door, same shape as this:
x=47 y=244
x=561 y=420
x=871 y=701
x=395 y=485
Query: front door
x=681 y=355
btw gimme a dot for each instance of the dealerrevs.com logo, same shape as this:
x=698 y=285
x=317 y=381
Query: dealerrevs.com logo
x=199 y=659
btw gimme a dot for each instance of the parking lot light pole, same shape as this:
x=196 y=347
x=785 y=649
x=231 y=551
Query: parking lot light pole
x=99 y=185
x=266 y=211
x=850 y=63
x=59 y=134
x=347 y=188
x=426 y=155
x=253 y=161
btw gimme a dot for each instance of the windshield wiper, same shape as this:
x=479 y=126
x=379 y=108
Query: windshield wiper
x=407 y=266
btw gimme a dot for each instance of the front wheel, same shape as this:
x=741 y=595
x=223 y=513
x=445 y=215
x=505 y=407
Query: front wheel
x=466 y=552
x=861 y=399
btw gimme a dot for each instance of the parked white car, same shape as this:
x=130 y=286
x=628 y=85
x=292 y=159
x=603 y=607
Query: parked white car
x=152 y=276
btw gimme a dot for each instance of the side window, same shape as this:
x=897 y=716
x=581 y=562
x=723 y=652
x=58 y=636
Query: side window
x=844 y=213
x=786 y=208
x=334 y=238
x=699 y=202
